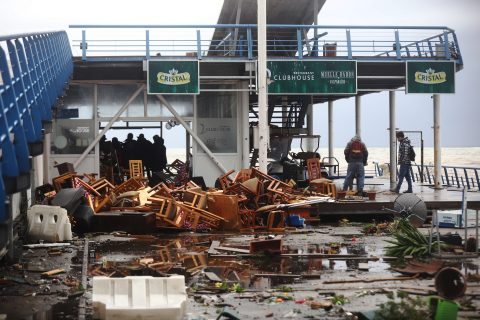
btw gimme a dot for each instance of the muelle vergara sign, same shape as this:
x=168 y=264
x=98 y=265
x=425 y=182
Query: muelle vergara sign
x=430 y=77
x=312 y=77
x=173 y=77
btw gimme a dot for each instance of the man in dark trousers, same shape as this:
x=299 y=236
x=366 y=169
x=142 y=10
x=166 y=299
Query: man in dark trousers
x=143 y=152
x=405 y=163
x=159 y=154
x=356 y=155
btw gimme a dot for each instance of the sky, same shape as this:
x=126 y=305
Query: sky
x=460 y=112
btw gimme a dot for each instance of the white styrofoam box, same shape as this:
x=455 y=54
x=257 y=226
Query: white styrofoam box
x=449 y=218
x=455 y=218
x=49 y=223
x=139 y=297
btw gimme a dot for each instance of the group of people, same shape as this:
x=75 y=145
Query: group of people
x=356 y=155
x=153 y=155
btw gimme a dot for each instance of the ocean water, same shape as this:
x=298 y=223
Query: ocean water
x=469 y=157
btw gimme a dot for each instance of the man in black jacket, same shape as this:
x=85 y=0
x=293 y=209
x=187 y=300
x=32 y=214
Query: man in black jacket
x=404 y=161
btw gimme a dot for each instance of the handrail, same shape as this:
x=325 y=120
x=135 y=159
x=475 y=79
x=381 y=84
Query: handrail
x=180 y=26
x=283 y=40
x=34 y=69
x=453 y=176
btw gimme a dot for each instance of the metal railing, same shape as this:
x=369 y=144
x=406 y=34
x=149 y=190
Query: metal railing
x=139 y=42
x=34 y=69
x=452 y=176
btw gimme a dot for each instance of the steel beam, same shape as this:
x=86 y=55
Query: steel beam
x=190 y=131
x=107 y=127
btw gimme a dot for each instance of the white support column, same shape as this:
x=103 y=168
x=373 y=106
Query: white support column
x=358 y=118
x=47 y=148
x=330 y=135
x=245 y=145
x=190 y=131
x=393 y=141
x=437 y=152
x=262 y=86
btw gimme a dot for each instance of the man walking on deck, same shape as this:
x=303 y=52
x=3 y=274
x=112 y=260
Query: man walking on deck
x=356 y=155
x=404 y=161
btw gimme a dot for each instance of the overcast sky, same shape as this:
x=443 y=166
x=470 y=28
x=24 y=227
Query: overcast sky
x=459 y=112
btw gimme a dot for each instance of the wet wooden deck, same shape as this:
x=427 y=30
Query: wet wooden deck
x=444 y=199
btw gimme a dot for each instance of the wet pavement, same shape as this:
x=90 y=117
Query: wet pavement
x=311 y=272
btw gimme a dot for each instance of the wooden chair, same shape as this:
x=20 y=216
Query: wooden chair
x=131 y=184
x=276 y=221
x=279 y=189
x=313 y=169
x=195 y=218
x=225 y=180
x=64 y=179
x=136 y=168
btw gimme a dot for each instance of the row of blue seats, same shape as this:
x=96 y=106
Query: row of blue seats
x=34 y=70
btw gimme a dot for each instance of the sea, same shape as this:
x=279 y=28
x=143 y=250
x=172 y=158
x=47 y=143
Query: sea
x=460 y=157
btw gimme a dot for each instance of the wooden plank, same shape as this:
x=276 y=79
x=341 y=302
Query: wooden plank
x=52 y=272
x=232 y=249
x=214 y=244
x=363 y=266
x=213 y=277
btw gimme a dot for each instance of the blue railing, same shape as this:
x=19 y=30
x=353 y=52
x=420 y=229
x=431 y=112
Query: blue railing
x=34 y=69
x=452 y=176
x=138 y=42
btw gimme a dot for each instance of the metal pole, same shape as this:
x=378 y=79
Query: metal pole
x=393 y=141
x=421 y=158
x=190 y=131
x=262 y=86
x=46 y=157
x=465 y=215
x=437 y=155
x=330 y=136
x=358 y=129
x=107 y=127
x=310 y=124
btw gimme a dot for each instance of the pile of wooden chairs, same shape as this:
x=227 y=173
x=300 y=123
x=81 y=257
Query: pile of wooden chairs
x=256 y=194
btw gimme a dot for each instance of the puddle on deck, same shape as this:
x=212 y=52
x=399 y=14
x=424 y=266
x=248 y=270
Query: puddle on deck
x=185 y=254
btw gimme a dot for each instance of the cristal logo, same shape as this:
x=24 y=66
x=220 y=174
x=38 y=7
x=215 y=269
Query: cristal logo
x=430 y=77
x=173 y=78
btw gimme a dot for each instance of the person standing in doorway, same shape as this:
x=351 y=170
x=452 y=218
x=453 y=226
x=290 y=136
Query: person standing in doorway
x=356 y=155
x=404 y=161
x=159 y=154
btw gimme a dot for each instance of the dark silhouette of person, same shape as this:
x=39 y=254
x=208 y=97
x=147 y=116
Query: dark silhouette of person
x=159 y=154
x=143 y=150
x=129 y=146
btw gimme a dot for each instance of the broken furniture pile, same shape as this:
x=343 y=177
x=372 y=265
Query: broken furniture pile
x=251 y=199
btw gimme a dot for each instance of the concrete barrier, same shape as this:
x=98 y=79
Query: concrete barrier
x=139 y=297
x=48 y=223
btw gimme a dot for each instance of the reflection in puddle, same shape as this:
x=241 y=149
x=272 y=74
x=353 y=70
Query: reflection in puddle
x=185 y=254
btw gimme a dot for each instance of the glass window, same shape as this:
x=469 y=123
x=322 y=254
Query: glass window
x=217 y=121
x=77 y=103
x=112 y=97
x=73 y=128
x=72 y=136
x=182 y=104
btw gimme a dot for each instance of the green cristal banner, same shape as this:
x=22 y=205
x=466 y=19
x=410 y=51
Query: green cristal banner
x=312 y=77
x=173 y=77
x=430 y=77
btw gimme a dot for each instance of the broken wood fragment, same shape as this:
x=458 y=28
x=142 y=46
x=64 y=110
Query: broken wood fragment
x=52 y=272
